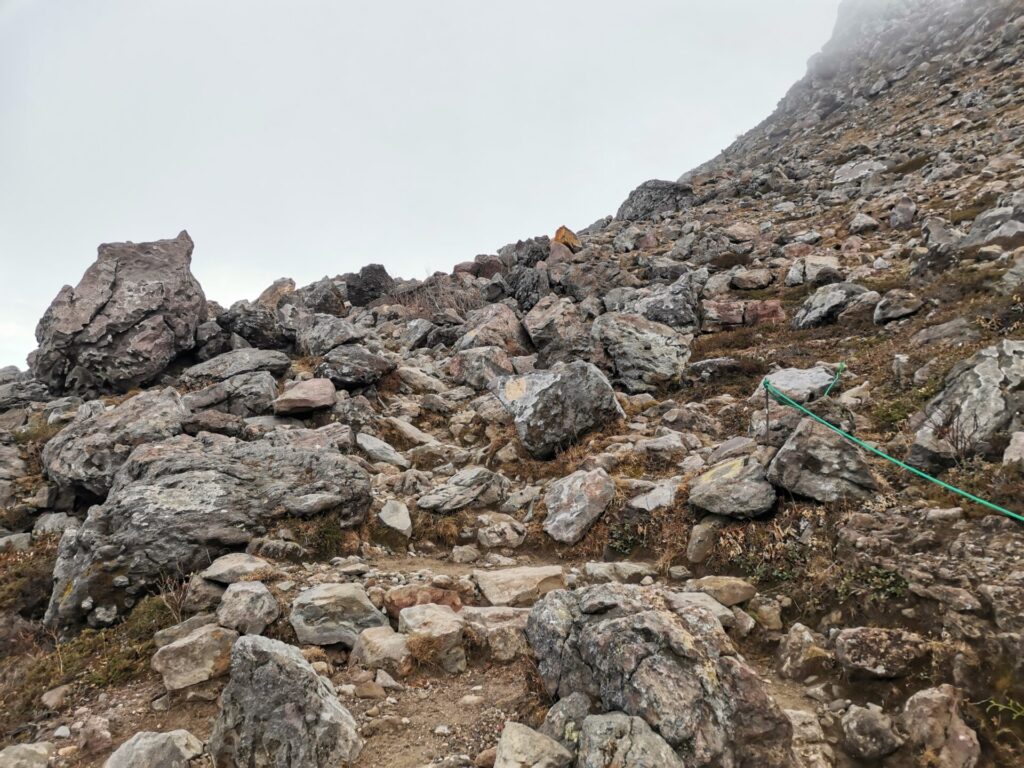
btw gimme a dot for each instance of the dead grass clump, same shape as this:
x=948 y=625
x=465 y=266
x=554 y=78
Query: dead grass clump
x=426 y=650
x=326 y=537
x=26 y=578
x=438 y=294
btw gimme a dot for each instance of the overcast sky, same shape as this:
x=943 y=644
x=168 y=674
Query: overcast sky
x=310 y=137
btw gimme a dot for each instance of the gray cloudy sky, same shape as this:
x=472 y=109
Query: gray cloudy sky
x=310 y=137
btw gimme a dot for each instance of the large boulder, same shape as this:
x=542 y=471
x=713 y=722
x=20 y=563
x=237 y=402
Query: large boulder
x=933 y=726
x=976 y=412
x=277 y=711
x=678 y=305
x=235 y=363
x=371 y=283
x=820 y=464
x=522 y=747
x=559 y=330
x=655 y=196
x=495 y=325
x=245 y=395
x=826 y=304
x=647 y=653
x=734 y=488
x=643 y=355
x=351 y=366
x=552 y=409
x=134 y=310
x=88 y=452
x=176 y=504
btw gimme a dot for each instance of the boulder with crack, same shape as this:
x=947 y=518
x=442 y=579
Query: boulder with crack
x=644 y=652
x=820 y=464
x=178 y=503
x=643 y=355
x=277 y=711
x=135 y=309
x=552 y=409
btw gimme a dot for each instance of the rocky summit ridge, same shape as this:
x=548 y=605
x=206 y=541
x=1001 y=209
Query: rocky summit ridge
x=538 y=511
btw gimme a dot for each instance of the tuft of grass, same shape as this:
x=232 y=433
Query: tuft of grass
x=27 y=578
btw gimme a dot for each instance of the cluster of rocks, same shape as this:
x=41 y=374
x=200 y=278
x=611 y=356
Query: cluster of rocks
x=366 y=482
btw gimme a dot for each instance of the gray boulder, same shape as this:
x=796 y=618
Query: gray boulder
x=868 y=734
x=248 y=607
x=276 y=711
x=820 y=464
x=333 y=613
x=371 y=283
x=559 y=329
x=828 y=302
x=648 y=654
x=176 y=504
x=734 y=488
x=895 y=305
x=324 y=333
x=88 y=452
x=933 y=725
x=260 y=324
x=615 y=739
x=643 y=355
x=22 y=392
x=149 y=749
x=553 y=409
x=134 y=310
x=878 y=652
x=678 y=305
x=1002 y=226
x=244 y=395
x=469 y=488
x=235 y=363
x=575 y=502
x=523 y=747
x=351 y=366
x=655 y=196
x=977 y=410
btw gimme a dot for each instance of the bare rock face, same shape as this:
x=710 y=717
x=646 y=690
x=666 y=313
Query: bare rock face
x=135 y=309
x=89 y=451
x=655 y=196
x=177 y=504
x=277 y=711
x=648 y=654
x=552 y=409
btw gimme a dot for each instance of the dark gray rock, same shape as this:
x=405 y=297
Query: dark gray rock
x=245 y=395
x=818 y=463
x=615 y=739
x=88 y=452
x=260 y=325
x=826 y=304
x=371 y=283
x=135 y=309
x=553 y=409
x=650 y=654
x=352 y=366
x=643 y=356
x=733 y=488
x=235 y=363
x=277 y=711
x=655 y=196
x=324 y=333
x=177 y=504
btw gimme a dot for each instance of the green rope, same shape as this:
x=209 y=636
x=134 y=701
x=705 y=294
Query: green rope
x=786 y=400
x=839 y=372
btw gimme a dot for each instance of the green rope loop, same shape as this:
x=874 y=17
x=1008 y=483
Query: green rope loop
x=786 y=400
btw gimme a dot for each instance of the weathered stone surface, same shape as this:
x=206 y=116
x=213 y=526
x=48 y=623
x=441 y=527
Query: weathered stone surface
x=479 y=366
x=896 y=304
x=352 y=366
x=933 y=726
x=305 y=396
x=135 y=309
x=276 y=711
x=244 y=395
x=325 y=332
x=176 y=503
x=438 y=628
x=19 y=393
x=669 y=663
x=523 y=747
x=553 y=409
x=977 y=410
x=802 y=653
x=877 y=652
x=728 y=590
x=378 y=450
x=496 y=529
x=643 y=355
x=502 y=629
x=469 y=488
x=201 y=655
x=818 y=463
x=495 y=325
x=27 y=755
x=382 y=648
x=800 y=384
x=235 y=363
x=333 y=613
x=248 y=607
x=655 y=196
x=826 y=304
x=615 y=739
x=371 y=283
x=559 y=330
x=575 y=502
x=868 y=734
x=519 y=586
x=734 y=488
x=227 y=569
x=395 y=515
x=148 y=749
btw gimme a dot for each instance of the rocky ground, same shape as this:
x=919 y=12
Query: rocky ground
x=539 y=511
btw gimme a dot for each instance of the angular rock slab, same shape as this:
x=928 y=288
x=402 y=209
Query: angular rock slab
x=575 y=502
x=149 y=749
x=820 y=464
x=734 y=488
x=176 y=503
x=552 y=409
x=334 y=613
x=639 y=651
x=135 y=309
x=615 y=739
x=523 y=747
x=644 y=356
x=276 y=711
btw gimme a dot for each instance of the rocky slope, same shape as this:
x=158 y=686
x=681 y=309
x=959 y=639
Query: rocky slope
x=539 y=511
